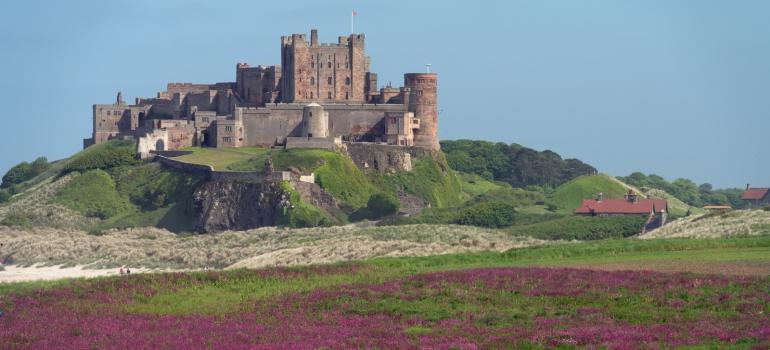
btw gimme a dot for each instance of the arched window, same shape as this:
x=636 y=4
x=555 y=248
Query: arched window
x=330 y=80
x=347 y=81
x=312 y=81
x=311 y=94
x=330 y=64
x=312 y=64
x=330 y=94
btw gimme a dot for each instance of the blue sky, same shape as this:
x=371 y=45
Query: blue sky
x=676 y=88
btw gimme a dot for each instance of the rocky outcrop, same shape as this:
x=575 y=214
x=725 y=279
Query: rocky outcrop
x=383 y=158
x=313 y=194
x=237 y=205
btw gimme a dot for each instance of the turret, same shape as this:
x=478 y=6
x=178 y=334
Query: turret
x=422 y=100
x=314 y=37
x=315 y=121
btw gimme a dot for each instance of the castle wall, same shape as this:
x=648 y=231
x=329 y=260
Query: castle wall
x=360 y=122
x=258 y=85
x=183 y=89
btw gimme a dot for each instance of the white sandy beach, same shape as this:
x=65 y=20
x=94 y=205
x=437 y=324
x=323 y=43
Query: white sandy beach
x=14 y=273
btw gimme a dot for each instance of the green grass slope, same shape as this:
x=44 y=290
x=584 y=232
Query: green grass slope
x=430 y=179
x=676 y=208
x=571 y=194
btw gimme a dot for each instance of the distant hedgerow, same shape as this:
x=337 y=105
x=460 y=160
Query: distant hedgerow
x=583 y=227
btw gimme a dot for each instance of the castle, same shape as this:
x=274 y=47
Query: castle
x=320 y=96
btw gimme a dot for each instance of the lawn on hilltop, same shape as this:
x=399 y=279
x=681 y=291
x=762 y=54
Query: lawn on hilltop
x=525 y=298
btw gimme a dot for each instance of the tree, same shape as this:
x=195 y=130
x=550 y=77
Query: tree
x=39 y=165
x=382 y=205
x=16 y=175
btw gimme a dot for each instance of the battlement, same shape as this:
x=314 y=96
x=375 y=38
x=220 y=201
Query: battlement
x=267 y=101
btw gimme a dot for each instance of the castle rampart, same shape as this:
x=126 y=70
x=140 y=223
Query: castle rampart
x=264 y=106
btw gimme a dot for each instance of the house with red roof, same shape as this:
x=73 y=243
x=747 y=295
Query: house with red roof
x=656 y=210
x=756 y=196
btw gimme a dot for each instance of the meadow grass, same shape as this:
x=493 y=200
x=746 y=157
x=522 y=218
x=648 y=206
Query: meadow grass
x=487 y=300
x=228 y=295
x=220 y=158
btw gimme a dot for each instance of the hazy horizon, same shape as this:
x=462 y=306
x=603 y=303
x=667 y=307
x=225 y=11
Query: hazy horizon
x=677 y=89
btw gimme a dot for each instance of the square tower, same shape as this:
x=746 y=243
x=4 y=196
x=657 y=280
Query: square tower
x=325 y=73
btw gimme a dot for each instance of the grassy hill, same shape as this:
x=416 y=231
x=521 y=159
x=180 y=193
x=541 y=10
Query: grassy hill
x=572 y=193
x=104 y=186
x=676 y=207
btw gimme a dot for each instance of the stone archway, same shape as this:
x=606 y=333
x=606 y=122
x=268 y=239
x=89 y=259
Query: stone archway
x=160 y=145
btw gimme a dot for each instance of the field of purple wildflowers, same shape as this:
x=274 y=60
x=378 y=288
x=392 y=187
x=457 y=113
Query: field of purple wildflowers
x=366 y=306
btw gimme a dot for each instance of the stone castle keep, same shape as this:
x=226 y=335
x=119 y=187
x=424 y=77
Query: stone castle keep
x=320 y=96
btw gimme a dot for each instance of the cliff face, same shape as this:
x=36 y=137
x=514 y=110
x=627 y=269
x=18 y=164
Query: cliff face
x=237 y=205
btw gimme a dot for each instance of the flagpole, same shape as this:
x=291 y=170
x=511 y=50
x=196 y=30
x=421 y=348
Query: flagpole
x=352 y=18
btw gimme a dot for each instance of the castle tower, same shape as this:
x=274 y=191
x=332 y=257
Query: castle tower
x=325 y=72
x=315 y=121
x=423 y=102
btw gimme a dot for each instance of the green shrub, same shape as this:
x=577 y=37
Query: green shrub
x=105 y=156
x=382 y=204
x=150 y=187
x=4 y=195
x=487 y=214
x=92 y=194
x=583 y=227
x=16 y=219
x=40 y=165
x=766 y=208
x=379 y=205
x=16 y=175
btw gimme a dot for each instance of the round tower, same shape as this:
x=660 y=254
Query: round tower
x=423 y=102
x=315 y=121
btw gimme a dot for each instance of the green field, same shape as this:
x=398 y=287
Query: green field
x=715 y=297
x=689 y=254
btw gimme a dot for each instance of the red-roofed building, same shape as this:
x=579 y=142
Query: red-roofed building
x=655 y=209
x=756 y=196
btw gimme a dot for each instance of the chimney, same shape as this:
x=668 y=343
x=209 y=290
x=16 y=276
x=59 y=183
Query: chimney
x=314 y=37
x=748 y=186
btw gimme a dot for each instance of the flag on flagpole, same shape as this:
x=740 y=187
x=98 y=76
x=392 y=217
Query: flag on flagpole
x=355 y=13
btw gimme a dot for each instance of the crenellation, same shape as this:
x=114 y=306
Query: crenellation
x=319 y=93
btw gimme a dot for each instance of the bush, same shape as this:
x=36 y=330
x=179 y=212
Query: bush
x=766 y=208
x=92 y=194
x=583 y=227
x=24 y=171
x=4 y=195
x=151 y=188
x=487 y=214
x=16 y=175
x=16 y=219
x=111 y=154
x=39 y=165
x=379 y=205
